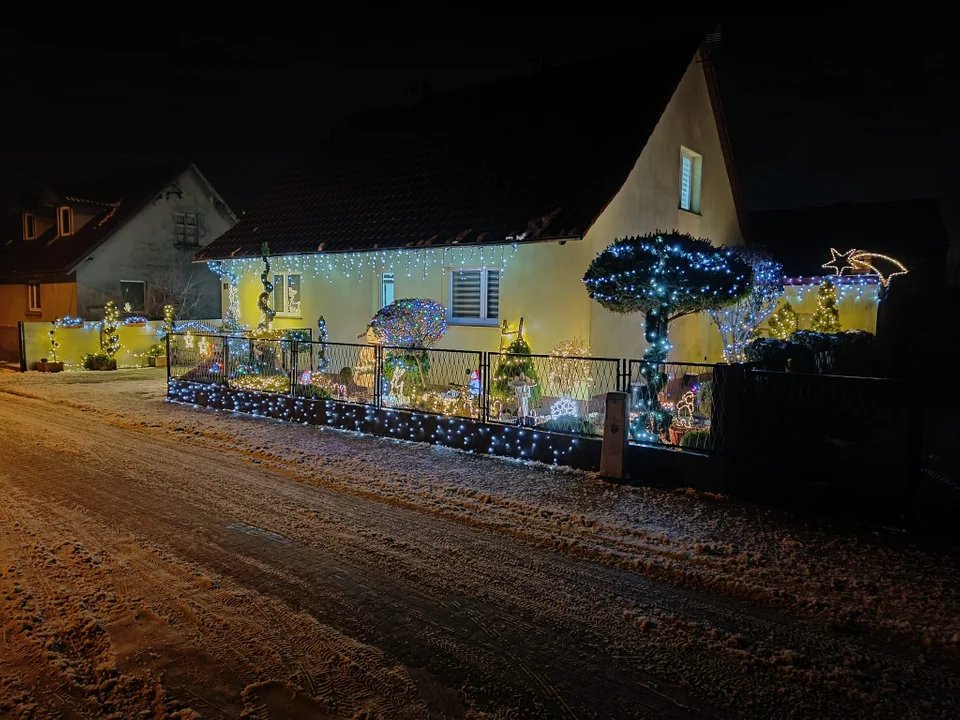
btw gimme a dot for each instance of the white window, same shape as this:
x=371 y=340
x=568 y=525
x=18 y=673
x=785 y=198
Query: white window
x=386 y=289
x=690 y=171
x=65 y=221
x=133 y=296
x=29 y=226
x=474 y=296
x=185 y=226
x=33 y=297
x=286 y=294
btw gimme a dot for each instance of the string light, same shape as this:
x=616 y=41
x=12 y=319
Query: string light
x=854 y=260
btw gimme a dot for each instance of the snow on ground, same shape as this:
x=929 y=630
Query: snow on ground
x=721 y=607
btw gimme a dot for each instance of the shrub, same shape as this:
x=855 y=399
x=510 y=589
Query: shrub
x=99 y=361
x=705 y=398
x=696 y=440
x=157 y=350
x=570 y=424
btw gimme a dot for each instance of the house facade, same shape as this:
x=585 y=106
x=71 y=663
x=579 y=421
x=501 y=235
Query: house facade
x=493 y=201
x=71 y=249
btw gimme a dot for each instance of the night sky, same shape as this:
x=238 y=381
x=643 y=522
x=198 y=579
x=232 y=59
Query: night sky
x=820 y=110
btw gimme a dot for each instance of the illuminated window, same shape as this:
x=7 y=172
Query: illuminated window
x=474 y=296
x=29 y=226
x=33 y=297
x=286 y=294
x=65 y=221
x=133 y=292
x=186 y=229
x=690 y=171
x=386 y=289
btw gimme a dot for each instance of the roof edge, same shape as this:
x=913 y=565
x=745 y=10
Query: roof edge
x=713 y=90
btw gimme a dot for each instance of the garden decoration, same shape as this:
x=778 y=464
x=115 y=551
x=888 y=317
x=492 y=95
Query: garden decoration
x=569 y=374
x=514 y=364
x=826 y=318
x=266 y=313
x=783 y=323
x=665 y=276
x=412 y=325
x=523 y=387
x=109 y=331
x=323 y=363
x=854 y=260
x=738 y=322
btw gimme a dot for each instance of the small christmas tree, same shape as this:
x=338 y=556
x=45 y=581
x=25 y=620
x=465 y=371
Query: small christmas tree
x=110 y=330
x=826 y=319
x=231 y=318
x=783 y=322
x=511 y=368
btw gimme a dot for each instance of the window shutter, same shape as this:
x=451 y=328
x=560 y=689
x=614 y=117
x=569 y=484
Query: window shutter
x=465 y=302
x=493 y=294
x=686 y=181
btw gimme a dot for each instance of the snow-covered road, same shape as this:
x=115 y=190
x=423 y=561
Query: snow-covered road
x=158 y=560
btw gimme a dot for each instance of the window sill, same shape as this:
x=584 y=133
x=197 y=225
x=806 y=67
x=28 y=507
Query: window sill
x=690 y=212
x=34 y=312
x=278 y=316
x=472 y=322
x=186 y=245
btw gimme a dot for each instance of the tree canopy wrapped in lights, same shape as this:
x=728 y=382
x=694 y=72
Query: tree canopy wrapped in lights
x=665 y=276
x=409 y=323
x=826 y=318
x=739 y=321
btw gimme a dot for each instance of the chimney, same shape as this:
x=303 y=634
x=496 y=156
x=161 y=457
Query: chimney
x=415 y=93
x=535 y=64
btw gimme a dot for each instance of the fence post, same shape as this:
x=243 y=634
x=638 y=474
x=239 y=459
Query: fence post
x=168 y=359
x=294 y=370
x=484 y=360
x=378 y=376
x=226 y=360
x=613 y=447
x=728 y=417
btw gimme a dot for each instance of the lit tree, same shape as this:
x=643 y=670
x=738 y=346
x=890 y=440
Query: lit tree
x=514 y=365
x=739 y=321
x=322 y=337
x=665 y=276
x=266 y=313
x=413 y=323
x=783 y=323
x=826 y=318
x=110 y=330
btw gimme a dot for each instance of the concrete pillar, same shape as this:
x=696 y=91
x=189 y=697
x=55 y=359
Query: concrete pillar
x=613 y=451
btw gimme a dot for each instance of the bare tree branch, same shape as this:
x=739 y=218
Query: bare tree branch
x=175 y=286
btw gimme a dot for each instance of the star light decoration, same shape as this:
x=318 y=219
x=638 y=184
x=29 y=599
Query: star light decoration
x=854 y=260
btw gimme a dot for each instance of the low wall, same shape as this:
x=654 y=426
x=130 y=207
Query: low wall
x=75 y=342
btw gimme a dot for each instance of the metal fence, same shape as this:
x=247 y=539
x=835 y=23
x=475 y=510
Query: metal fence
x=674 y=404
x=555 y=393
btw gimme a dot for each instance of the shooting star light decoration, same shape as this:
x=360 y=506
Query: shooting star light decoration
x=854 y=260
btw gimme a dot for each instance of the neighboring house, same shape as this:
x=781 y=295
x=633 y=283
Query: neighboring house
x=910 y=231
x=73 y=248
x=493 y=200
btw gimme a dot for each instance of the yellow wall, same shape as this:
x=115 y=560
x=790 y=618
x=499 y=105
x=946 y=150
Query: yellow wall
x=542 y=282
x=75 y=342
x=856 y=312
x=649 y=201
x=56 y=300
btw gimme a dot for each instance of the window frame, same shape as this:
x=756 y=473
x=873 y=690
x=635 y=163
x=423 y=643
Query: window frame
x=484 y=320
x=696 y=176
x=29 y=217
x=185 y=225
x=34 y=300
x=383 y=287
x=60 y=228
x=133 y=309
x=286 y=274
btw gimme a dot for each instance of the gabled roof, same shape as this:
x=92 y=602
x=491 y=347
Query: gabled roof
x=113 y=200
x=800 y=238
x=521 y=159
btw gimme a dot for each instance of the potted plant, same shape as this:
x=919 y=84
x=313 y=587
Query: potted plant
x=45 y=365
x=99 y=361
x=157 y=355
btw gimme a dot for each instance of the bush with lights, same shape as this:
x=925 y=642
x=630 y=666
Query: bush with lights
x=415 y=323
x=783 y=322
x=665 y=276
x=516 y=364
x=738 y=322
x=826 y=318
x=110 y=330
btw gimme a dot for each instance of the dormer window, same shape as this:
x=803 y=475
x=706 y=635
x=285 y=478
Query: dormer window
x=65 y=220
x=29 y=226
